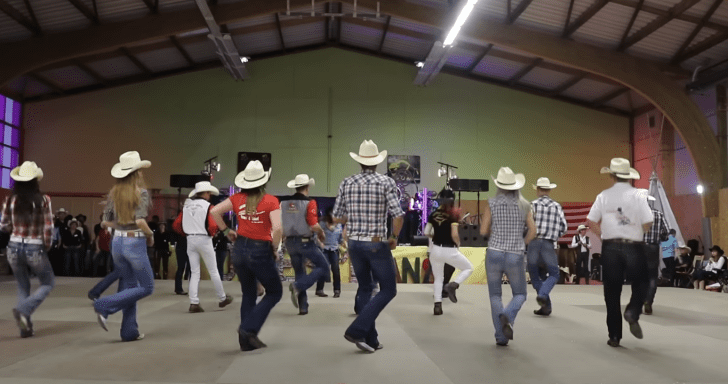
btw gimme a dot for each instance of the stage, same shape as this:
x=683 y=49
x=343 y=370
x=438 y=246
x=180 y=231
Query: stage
x=686 y=341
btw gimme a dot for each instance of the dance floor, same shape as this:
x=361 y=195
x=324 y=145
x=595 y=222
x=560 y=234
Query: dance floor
x=686 y=341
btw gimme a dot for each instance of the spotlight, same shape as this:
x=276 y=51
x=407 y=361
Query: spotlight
x=245 y=59
x=700 y=189
x=442 y=171
x=451 y=174
x=420 y=64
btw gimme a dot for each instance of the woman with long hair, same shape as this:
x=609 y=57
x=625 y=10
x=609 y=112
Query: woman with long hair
x=506 y=218
x=28 y=217
x=126 y=210
x=256 y=240
x=442 y=228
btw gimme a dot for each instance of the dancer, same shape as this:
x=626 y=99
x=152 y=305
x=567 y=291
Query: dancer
x=199 y=230
x=299 y=215
x=581 y=244
x=28 y=218
x=127 y=207
x=257 y=237
x=550 y=226
x=621 y=216
x=658 y=230
x=442 y=228
x=506 y=218
x=334 y=239
x=362 y=203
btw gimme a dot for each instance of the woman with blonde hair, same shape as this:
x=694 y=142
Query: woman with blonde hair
x=126 y=210
x=256 y=241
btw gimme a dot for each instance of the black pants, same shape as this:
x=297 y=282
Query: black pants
x=669 y=267
x=183 y=264
x=161 y=260
x=617 y=259
x=653 y=270
x=582 y=266
x=333 y=258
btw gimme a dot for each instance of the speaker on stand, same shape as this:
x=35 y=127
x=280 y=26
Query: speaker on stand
x=185 y=181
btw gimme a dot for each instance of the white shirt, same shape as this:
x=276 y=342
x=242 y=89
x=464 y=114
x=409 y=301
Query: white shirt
x=575 y=243
x=622 y=211
x=194 y=216
x=715 y=265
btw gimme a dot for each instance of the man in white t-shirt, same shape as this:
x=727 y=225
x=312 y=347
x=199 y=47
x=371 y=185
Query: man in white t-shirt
x=621 y=216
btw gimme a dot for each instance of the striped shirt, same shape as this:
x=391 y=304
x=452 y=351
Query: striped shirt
x=549 y=218
x=508 y=224
x=39 y=228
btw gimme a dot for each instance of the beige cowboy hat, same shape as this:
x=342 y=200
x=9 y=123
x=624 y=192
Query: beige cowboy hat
x=544 y=183
x=253 y=176
x=300 y=181
x=204 y=186
x=368 y=154
x=128 y=163
x=508 y=180
x=685 y=247
x=27 y=172
x=581 y=227
x=620 y=168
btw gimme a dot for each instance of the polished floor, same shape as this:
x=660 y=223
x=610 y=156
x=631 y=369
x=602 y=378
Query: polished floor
x=686 y=341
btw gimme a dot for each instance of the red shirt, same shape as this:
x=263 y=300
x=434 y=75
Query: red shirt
x=258 y=226
x=104 y=240
x=312 y=213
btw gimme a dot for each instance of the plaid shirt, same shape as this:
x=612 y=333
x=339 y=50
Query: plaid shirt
x=658 y=229
x=365 y=199
x=549 y=218
x=40 y=228
x=508 y=225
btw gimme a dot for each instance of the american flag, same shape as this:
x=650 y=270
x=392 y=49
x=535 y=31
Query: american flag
x=575 y=214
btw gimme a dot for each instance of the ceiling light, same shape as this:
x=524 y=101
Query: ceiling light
x=450 y=39
x=700 y=189
x=245 y=59
x=420 y=64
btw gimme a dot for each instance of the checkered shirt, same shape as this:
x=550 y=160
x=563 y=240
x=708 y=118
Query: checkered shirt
x=365 y=199
x=508 y=225
x=549 y=218
x=40 y=227
x=658 y=229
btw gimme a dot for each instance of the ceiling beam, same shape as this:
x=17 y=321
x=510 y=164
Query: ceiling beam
x=153 y=5
x=642 y=110
x=135 y=60
x=53 y=86
x=384 y=34
x=568 y=84
x=659 y=22
x=20 y=18
x=610 y=96
x=280 y=32
x=524 y=71
x=701 y=47
x=588 y=14
x=696 y=30
x=182 y=50
x=91 y=72
x=631 y=23
x=31 y=12
x=513 y=16
x=665 y=12
x=568 y=17
x=480 y=58
x=85 y=11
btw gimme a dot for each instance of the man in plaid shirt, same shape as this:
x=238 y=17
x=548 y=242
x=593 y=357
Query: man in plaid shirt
x=363 y=202
x=550 y=226
x=658 y=230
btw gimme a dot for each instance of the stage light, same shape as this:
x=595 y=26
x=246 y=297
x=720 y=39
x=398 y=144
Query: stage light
x=700 y=189
x=244 y=59
x=464 y=14
x=420 y=64
x=442 y=171
x=451 y=174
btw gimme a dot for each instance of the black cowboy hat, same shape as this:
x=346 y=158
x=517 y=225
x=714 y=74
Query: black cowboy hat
x=445 y=195
x=81 y=216
x=717 y=249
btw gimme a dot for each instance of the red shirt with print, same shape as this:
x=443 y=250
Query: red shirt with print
x=312 y=213
x=257 y=226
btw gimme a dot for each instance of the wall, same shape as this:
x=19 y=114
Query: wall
x=290 y=104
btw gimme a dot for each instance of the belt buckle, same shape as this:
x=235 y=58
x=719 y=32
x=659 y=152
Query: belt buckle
x=376 y=239
x=305 y=240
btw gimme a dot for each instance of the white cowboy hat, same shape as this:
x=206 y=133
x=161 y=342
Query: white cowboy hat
x=204 y=186
x=128 y=163
x=544 y=183
x=72 y=221
x=300 y=181
x=27 y=172
x=369 y=154
x=620 y=168
x=62 y=210
x=579 y=228
x=683 y=246
x=253 y=176
x=508 y=180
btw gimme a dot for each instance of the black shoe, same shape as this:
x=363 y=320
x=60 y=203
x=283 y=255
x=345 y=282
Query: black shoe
x=360 y=343
x=506 y=326
x=226 y=302
x=613 y=342
x=21 y=320
x=92 y=297
x=648 y=308
x=337 y=294
x=445 y=294
x=542 y=311
x=180 y=292
x=450 y=288
x=254 y=341
x=244 y=342
x=321 y=294
x=438 y=309
x=634 y=325
x=303 y=311
x=543 y=301
x=503 y=344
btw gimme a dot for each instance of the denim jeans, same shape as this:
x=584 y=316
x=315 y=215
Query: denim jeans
x=106 y=282
x=363 y=295
x=618 y=258
x=371 y=261
x=136 y=282
x=652 y=253
x=253 y=261
x=333 y=258
x=25 y=258
x=541 y=253
x=300 y=250
x=512 y=264
x=73 y=258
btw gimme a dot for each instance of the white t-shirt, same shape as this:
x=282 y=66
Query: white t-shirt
x=622 y=211
x=194 y=216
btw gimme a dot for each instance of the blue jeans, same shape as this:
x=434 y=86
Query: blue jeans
x=253 y=261
x=136 y=282
x=332 y=256
x=371 y=260
x=106 y=282
x=24 y=258
x=541 y=253
x=299 y=252
x=512 y=264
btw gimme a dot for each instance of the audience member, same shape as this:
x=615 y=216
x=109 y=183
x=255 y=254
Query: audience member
x=86 y=255
x=710 y=272
x=669 y=247
x=73 y=243
x=161 y=249
x=102 y=263
x=683 y=265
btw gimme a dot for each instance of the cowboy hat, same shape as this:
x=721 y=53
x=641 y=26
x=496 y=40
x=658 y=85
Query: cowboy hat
x=81 y=215
x=368 y=154
x=253 y=176
x=544 y=183
x=128 y=163
x=446 y=195
x=647 y=194
x=72 y=221
x=620 y=167
x=508 y=180
x=685 y=247
x=300 y=181
x=717 y=249
x=204 y=186
x=27 y=172
x=61 y=210
x=579 y=228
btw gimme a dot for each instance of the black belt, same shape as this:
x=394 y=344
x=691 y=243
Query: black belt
x=303 y=239
x=623 y=241
x=446 y=246
x=253 y=241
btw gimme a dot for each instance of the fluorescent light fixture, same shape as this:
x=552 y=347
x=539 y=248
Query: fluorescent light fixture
x=700 y=189
x=245 y=59
x=450 y=39
x=420 y=64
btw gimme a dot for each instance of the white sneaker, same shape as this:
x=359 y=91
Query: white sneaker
x=102 y=321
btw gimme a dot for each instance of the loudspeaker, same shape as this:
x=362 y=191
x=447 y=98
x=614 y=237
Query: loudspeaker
x=246 y=157
x=470 y=236
x=420 y=240
x=186 y=181
x=468 y=185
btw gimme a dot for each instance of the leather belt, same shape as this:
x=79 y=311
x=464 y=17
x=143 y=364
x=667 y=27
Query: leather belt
x=300 y=238
x=129 y=234
x=624 y=241
x=25 y=240
x=373 y=239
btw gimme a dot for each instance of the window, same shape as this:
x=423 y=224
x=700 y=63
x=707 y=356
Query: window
x=10 y=112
